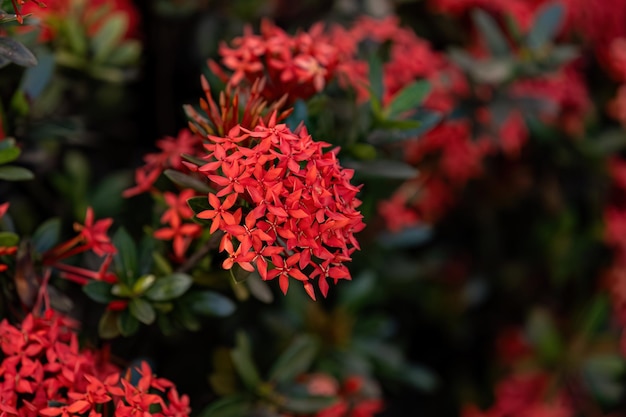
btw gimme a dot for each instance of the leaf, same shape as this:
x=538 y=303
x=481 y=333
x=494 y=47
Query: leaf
x=408 y=98
x=8 y=239
x=107 y=327
x=493 y=36
x=308 y=405
x=546 y=25
x=199 y=204
x=47 y=235
x=142 y=310
x=169 y=287
x=427 y=121
x=419 y=377
x=127 y=323
x=296 y=360
x=383 y=169
x=126 y=257
x=9 y=154
x=406 y=238
x=259 y=288
x=99 y=291
x=109 y=36
x=76 y=36
x=36 y=78
x=187 y=181
x=210 y=303
x=13 y=173
x=375 y=66
x=243 y=363
x=233 y=406
x=125 y=54
x=543 y=335
x=17 y=53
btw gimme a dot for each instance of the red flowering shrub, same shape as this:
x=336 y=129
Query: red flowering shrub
x=43 y=372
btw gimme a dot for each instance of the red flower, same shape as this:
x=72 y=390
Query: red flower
x=95 y=234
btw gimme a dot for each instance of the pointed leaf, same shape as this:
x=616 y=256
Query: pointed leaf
x=244 y=364
x=169 y=287
x=142 y=310
x=383 y=169
x=13 y=173
x=308 y=405
x=109 y=36
x=187 y=181
x=47 y=235
x=8 y=239
x=126 y=257
x=9 y=154
x=107 y=327
x=127 y=323
x=296 y=360
x=546 y=25
x=210 y=303
x=493 y=36
x=99 y=291
x=15 y=52
x=410 y=97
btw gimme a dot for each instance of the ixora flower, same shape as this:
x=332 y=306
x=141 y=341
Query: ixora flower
x=286 y=207
x=44 y=373
x=19 y=4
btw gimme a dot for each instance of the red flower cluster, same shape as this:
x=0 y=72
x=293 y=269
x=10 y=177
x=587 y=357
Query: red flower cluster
x=525 y=395
x=298 y=66
x=300 y=208
x=20 y=5
x=181 y=233
x=43 y=373
x=169 y=157
x=5 y=250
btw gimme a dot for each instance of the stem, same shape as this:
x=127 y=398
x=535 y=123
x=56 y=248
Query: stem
x=202 y=251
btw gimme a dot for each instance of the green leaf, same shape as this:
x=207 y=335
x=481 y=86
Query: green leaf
x=199 y=204
x=410 y=97
x=210 y=303
x=127 y=323
x=142 y=310
x=426 y=120
x=107 y=327
x=185 y=317
x=143 y=283
x=47 y=235
x=36 y=78
x=493 y=36
x=109 y=36
x=543 y=335
x=125 y=54
x=9 y=154
x=76 y=36
x=296 y=360
x=13 y=173
x=233 y=406
x=126 y=257
x=383 y=169
x=308 y=405
x=376 y=83
x=17 y=53
x=187 y=181
x=546 y=25
x=419 y=378
x=99 y=291
x=9 y=239
x=169 y=287
x=259 y=288
x=242 y=360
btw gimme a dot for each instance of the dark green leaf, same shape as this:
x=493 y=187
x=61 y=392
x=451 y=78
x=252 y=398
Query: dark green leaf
x=296 y=360
x=420 y=378
x=15 y=52
x=9 y=154
x=187 y=181
x=490 y=31
x=125 y=54
x=383 y=169
x=126 y=257
x=9 y=239
x=376 y=83
x=142 y=310
x=259 y=288
x=107 y=327
x=543 y=335
x=127 y=323
x=47 y=235
x=308 y=405
x=410 y=97
x=426 y=120
x=13 y=173
x=244 y=364
x=546 y=25
x=406 y=238
x=109 y=36
x=99 y=291
x=210 y=303
x=233 y=406
x=37 y=78
x=185 y=317
x=169 y=287
x=199 y=204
